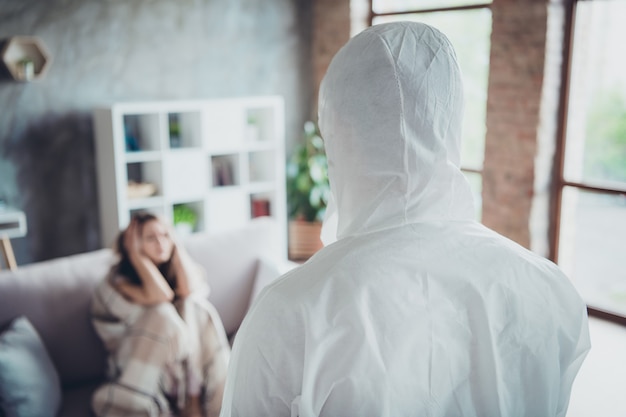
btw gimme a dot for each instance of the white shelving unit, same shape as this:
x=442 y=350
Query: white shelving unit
x=225 y=159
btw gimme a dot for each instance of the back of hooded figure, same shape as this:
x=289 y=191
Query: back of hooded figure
x=416 y=309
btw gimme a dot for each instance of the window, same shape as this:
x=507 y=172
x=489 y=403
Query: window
x=467 y=23
x=590 y=214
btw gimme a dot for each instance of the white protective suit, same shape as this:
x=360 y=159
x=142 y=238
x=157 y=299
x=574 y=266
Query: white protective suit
x=416 y=309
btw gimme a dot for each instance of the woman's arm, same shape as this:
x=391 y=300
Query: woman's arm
x=154 y=288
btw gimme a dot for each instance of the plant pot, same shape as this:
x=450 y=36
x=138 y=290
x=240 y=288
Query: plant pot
x=183 y=229
x=304 y=239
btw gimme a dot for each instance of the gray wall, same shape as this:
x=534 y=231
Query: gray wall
x=105 y=51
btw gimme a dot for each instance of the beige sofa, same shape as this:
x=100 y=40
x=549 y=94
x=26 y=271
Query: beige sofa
x=55 y=297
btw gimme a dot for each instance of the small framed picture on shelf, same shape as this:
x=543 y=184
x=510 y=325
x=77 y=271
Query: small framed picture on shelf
x=260 y=207
x=223 y=171
x=174 y=130
x=130 y=138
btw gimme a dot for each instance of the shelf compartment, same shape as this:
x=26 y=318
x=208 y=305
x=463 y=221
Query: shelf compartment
x=193 y=211
x=228 y=208
x=259 y=124
x=141 y=132
x=225 y=170
x=262 y=166
x=224 y=124
x=185 y=175
x=260 y=204
x=184 y=130
x=144 y=174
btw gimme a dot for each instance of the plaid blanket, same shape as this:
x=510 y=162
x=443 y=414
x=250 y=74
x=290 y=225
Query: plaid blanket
x=158 y=355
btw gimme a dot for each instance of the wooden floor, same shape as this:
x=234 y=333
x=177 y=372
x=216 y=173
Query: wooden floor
x=599 y=389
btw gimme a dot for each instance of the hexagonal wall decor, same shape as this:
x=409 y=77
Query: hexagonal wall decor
x=25 y=57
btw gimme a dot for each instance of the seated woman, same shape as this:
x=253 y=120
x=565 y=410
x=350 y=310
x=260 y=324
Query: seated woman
x=167 y=349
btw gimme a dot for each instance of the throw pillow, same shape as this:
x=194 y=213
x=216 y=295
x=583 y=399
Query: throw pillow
x=29 y=383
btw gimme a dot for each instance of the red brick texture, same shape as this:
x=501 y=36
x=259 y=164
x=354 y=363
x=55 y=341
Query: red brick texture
x=521 y=107
x=331 y=30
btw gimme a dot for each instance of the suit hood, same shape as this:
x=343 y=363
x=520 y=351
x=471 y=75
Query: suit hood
x=390 y=112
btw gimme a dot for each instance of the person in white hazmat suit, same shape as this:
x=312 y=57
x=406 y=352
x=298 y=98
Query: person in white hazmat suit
x=416 y=309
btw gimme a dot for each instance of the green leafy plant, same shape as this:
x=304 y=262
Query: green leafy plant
x=25 y=61
x=252 y=119
x=307 y=178
x=184 y=214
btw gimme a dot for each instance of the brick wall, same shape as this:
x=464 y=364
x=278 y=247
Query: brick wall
x=522 y=109
x=331 y=30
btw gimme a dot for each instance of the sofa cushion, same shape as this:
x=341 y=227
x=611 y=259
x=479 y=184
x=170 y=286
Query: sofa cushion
x=56 y=297
x=230 y=260
x=29 y=384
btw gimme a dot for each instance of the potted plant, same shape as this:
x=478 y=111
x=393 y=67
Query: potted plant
x=26 y=69
x=252 y=128
x=185 y=219
x=307 y=193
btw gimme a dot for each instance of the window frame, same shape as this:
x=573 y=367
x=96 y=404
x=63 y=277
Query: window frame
x=560 y=183
x=373 y=14
x=486 y=5
x=559 y=180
